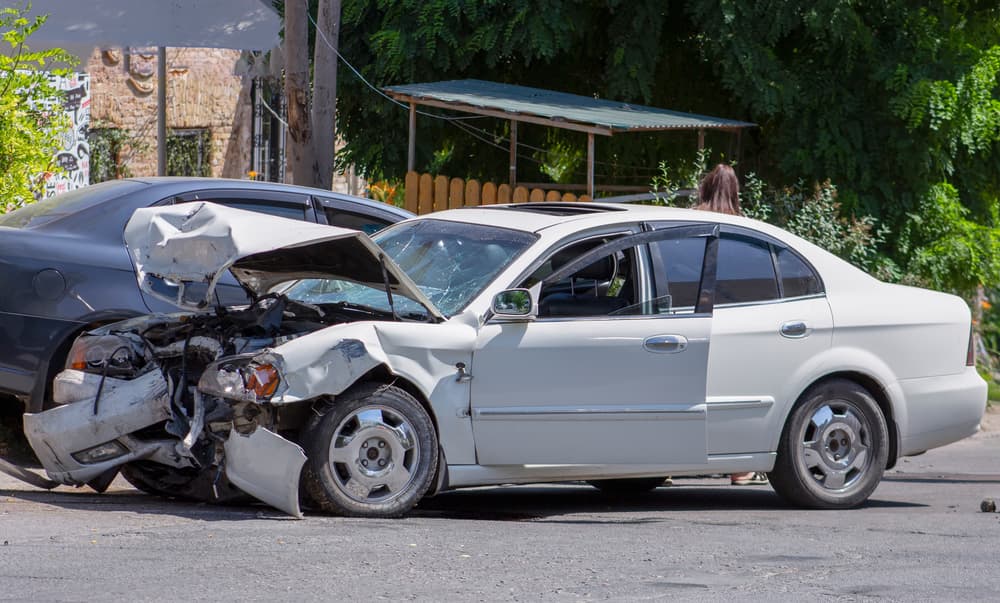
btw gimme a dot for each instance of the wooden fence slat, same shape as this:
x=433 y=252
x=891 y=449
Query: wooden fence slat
x=504 y=193
x=490 y=193
x=411 y=202
x=425 y=194
x=472 y=193
x=456 y=193
x=440 y=193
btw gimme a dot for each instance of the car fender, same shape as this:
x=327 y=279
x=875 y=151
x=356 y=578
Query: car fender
x=837 y=361
x=427 y=355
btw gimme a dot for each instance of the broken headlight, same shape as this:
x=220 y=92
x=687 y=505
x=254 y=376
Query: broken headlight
x=112 y=355
x=250 y=379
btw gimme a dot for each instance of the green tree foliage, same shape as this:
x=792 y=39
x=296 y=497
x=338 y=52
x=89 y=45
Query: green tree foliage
x=31 y=117
x=612 y=49
x=897 y=103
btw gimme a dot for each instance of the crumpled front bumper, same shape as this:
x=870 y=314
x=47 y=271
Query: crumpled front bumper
x=262 y=463
x=62 y=435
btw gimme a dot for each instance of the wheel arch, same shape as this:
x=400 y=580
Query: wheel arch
x=874 y=387
x=56 y=354
x=383 y=374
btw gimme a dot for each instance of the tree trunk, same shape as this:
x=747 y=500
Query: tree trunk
x=324 y=108
x=301 y=158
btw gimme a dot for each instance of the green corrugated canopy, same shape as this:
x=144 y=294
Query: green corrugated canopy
x=558 y=109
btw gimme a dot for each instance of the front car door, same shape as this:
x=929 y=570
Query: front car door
x=611 y=372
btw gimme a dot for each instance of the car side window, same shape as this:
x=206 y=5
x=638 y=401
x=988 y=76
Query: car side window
x=345 y=219
x=282 y=210
x=745 y=272
x=797 y=277
x=678 y=263
x=608 y=286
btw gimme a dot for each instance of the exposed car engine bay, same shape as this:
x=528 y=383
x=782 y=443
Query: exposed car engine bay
x=199 y=376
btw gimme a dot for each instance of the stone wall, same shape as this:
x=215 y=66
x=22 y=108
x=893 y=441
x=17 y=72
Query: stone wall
x=202 y=92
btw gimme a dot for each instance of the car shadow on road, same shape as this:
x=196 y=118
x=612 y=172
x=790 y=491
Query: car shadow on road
x=534 y=503
x=133 y=501
x=546 y=502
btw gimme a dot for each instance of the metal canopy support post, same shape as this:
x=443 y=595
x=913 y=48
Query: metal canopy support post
x=701 y=140
x=590 y=164
x=411 y=156
x=161 y=111
x=513 y=153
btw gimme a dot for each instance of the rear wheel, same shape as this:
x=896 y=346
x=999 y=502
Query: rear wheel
x=628 y=486
x=833 y=448
x=372 y=452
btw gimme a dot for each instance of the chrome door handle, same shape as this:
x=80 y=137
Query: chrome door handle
x=795 y=329
x=665 y=344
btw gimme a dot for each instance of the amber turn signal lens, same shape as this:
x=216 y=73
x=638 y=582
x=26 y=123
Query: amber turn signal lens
x=263 y=380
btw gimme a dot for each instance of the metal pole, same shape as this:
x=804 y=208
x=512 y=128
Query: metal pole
x=513 y=153
x=590 y=164
x=161 y=112
x=701 y=139
x=411 y=157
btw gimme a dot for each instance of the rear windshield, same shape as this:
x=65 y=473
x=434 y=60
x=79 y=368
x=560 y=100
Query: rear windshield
x=49 y=210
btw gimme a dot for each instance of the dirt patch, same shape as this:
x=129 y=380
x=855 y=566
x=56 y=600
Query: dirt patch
x=991 y=420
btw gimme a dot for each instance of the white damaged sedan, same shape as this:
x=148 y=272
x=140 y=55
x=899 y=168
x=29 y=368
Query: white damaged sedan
x=504 y=344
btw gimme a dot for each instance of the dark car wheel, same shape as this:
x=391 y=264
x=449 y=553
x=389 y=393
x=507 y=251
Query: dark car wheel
x=833 y=449
x=372 y=452
x=628 y=486
x=187 y=484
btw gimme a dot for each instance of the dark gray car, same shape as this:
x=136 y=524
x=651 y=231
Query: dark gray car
x=64 y=267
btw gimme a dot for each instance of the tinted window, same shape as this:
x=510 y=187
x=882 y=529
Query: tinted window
x=745 y=272
x=797 y=278
x=680 y=278
x=282 y=210
x=345 y=219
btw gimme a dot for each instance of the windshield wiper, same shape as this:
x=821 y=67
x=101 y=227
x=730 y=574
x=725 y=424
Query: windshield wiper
x=388 y=287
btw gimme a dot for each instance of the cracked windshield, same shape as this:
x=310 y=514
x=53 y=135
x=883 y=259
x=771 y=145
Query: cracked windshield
x=451 y=263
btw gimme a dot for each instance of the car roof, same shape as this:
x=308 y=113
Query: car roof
x=168 y=183
x=538 y=217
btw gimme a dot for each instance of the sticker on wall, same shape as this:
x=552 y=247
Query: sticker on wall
x=74 y=156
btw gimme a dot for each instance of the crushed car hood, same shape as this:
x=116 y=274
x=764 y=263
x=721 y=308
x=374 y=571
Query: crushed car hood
x=181 y=251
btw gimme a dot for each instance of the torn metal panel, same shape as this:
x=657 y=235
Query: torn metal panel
x=326 y=361
x=60 y=435
x=266 y=466
x=181 y=251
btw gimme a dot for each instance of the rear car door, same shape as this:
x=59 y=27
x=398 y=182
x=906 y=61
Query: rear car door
x=771 y=318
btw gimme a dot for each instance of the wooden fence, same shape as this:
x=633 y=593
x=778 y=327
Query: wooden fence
x=426 y=193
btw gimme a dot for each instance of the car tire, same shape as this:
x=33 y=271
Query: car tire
x=628 y=486
x=186 y=484
x=833 y=448
x=372 y=452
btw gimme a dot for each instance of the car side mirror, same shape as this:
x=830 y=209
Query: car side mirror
x=514 y=305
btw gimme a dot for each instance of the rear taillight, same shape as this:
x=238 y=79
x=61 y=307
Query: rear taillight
x=970 y=356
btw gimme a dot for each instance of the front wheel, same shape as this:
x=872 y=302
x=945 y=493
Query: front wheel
x=833 y=448
x=372 y=452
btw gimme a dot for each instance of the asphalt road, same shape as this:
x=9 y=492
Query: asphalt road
x=922 y=536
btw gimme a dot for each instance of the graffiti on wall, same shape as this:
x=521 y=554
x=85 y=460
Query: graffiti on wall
x=74 y=153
